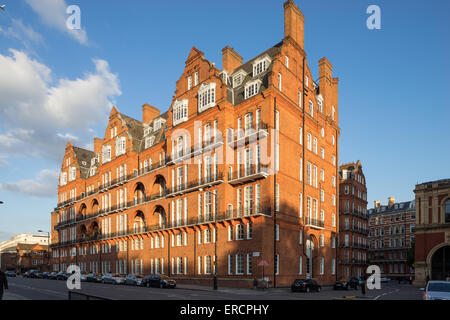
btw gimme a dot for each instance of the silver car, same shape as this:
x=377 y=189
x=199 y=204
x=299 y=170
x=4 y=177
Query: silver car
x=437 y=290
x=109 y=278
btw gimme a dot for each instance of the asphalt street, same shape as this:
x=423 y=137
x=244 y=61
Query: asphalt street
x=41 y=289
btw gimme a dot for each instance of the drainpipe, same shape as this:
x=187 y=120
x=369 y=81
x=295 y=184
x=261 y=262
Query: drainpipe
x=274 y=193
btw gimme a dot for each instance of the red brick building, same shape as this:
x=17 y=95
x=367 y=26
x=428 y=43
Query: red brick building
x=202 y=188
x=432 y=232
x=353 y=221
x=32 y=257
x=391 y=237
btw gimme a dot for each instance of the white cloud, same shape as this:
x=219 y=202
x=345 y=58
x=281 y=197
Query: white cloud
x=53 y=13
x=39 y=115
x=44 y=185
x=23 y=33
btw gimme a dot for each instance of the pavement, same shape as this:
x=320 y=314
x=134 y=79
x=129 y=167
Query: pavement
x=41 y=289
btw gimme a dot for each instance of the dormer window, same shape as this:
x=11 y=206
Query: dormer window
x=149 y=142
x=260 y=65
x=238 y=78
x=146 y=131
x=180 y=112
x=206 y=96
x=92 y=172
x=252 y=89
x=224 y=76
x=157 y=124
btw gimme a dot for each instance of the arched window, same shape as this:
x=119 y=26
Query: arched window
x=447 y=211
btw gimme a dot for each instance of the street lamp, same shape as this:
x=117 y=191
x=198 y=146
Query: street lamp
x=48 y=247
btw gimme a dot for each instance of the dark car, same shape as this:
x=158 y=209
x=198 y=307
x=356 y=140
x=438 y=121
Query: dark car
x=134 y=280
x=52 y=276
x=92 y=277
x=62 y=276
x=34 y=274
x=45 y=275
x=346 y=284
x=159 y=281
x=26 y=274
x=10 y=274
x=306 y=285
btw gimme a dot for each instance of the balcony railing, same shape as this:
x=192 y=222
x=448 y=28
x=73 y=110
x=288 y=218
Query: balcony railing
x=186 y=153
x=315 y=223
x=195 y=184
x=354 y=229
x=249 y=135
x=116 y=182
x=248 y=173
x=191 y=221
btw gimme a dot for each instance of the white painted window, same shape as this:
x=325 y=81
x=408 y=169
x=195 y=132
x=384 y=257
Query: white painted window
x=180 y=111
x=206 y=96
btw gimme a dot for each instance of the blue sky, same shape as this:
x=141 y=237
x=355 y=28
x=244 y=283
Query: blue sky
x=394 y=88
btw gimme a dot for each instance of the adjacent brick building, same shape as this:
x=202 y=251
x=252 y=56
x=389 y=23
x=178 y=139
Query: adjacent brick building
x=353 y=221
x=391 y=235
x=432 y=232
x=202 y=188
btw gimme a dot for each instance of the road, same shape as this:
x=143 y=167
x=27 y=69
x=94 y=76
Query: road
x=41 y=289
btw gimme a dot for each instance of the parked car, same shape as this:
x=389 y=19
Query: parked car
x=62 y=276
x=34 y=274
x=113 y=279
x=346 y=284
x=159 y=281
x=52 y=276
x=305 y=285
x=10 y=274
x=92 y=277
x=45 y=275
x=135 y=280
x=26 y=274
x=83 y=277
x=437 y=290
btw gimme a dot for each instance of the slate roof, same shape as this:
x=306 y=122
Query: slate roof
x=237 y=95
x=84 y=160
x=396 y=208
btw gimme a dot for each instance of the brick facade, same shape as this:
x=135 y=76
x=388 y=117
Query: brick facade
x=170 y=193
x=391 y=237
x=432 y=232
x=353 y=221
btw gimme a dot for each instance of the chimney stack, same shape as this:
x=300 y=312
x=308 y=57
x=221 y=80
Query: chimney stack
x=376 y=203
x=391 y=201
x=294 y=23
x=98 y=145
x=230 y=59
x=149 y=113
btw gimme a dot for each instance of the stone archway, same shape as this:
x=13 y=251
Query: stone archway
x=439 y=262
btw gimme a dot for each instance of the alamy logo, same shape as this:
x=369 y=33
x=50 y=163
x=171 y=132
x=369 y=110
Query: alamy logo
x=73 y=22
x=374 y=20
x=74 y=280
x=374 y=280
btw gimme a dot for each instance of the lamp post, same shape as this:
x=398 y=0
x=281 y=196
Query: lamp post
x=48 y=247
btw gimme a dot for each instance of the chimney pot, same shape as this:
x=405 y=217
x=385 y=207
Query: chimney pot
x=149 y=113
